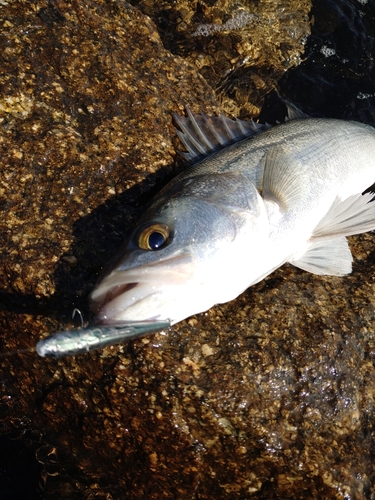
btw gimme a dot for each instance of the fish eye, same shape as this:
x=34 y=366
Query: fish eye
x=154 y=237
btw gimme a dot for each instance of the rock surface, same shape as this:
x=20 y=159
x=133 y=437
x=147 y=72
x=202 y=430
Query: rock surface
x=241 y=48
x=270 y=396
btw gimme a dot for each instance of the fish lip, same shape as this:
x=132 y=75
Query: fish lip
x=144 y=273
x=102 y=320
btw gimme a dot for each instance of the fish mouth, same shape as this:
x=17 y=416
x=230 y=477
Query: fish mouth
x=140 y=294
x=117 y=303
x=112 y=294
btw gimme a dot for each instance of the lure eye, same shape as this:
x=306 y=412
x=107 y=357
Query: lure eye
x=154 y=237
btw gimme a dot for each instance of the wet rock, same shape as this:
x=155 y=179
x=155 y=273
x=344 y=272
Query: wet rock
x=269 y=396
x=241 y=48
x=86 y=134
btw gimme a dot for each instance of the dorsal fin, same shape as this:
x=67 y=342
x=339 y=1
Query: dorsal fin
x=202 y=134
x=294 y=113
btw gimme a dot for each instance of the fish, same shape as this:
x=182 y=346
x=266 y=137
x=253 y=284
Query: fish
x=255 y=198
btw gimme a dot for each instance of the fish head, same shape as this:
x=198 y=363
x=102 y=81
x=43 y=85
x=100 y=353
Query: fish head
x=185 y=253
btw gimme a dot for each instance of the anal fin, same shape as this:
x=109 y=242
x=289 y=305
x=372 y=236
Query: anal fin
x=326 y=257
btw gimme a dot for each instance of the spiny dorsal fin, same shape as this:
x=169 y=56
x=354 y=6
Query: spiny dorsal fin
x=202 y=134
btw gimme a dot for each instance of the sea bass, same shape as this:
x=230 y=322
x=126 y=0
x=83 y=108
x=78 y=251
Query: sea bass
x=286 y=194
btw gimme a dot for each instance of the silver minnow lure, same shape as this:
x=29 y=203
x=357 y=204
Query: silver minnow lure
x=286 y=194
x=73 y=342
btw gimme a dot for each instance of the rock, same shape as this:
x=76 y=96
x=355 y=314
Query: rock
x=241 y=48
x=269 y=396
x=86 y=134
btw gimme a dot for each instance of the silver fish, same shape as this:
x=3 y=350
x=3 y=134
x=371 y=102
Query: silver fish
x=291 y=193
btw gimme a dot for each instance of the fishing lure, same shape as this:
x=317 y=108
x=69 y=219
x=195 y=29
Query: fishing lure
x=74 y=342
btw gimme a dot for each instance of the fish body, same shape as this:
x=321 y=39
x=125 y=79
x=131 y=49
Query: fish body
x=291 y=193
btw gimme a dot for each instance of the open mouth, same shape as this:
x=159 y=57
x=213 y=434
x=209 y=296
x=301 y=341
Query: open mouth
x=125 y=303
x=118 y=290
x=112 y=294
x=140 y=294
x=100 y=298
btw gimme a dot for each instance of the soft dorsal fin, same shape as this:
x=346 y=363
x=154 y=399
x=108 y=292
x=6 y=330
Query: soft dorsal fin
x=326 y=257
x=354 y=215
x=294 y=113
x=202 y=134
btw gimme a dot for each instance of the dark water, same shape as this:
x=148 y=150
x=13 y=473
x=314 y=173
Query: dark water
x=335 y=79
x=19 y=470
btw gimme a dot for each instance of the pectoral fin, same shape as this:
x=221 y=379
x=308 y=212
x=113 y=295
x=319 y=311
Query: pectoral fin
x=283 y=179
x=326 y=257
x=354 y=215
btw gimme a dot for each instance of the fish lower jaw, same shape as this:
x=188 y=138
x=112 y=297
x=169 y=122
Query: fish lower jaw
x=103 y=320
x=99 y=301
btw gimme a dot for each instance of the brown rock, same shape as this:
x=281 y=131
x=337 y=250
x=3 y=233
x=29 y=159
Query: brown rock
x=270 y=396
x=241 y=48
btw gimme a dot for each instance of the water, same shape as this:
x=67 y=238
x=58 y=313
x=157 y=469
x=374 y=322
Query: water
x=337 y=78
